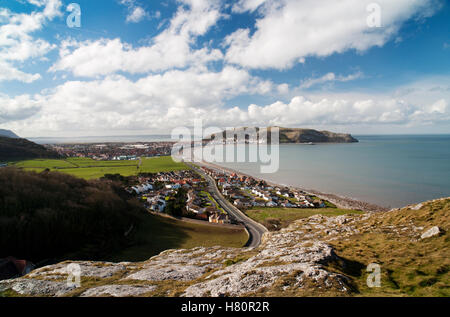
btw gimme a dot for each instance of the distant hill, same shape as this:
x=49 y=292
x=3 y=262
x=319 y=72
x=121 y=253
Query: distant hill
x=298 y=135
x=8 y=134
x=14 y=149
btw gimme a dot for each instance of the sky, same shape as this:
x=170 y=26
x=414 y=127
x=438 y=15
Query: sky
x=135 y=67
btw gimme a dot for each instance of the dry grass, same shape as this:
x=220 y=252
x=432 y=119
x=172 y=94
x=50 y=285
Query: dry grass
x=409 y=266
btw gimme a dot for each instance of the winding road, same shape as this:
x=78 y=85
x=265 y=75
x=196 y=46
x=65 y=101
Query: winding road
x=255 y=229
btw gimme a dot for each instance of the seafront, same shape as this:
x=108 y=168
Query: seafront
x=339 y=201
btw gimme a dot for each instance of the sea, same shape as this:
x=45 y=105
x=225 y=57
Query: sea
x=387 y=170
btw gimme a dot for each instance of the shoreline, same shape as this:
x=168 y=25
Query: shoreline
x=339 y=201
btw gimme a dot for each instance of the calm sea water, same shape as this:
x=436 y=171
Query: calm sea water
x=391 y=171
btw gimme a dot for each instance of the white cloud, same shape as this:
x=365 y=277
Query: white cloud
x=17 y=43
x=136 y=13
x=8 y=72
x=18 y=108
x=330 y=77
x=291 y=30
x=158 y=103
x=170 y=49
x=247 y=5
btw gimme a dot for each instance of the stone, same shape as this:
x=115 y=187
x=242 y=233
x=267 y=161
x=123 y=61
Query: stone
x=432 y=232
x=119 y=290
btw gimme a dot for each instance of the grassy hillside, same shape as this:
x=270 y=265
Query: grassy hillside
x=410 y=266
x=315 y=256
x=157 y=234
x=51 y=215
x=87 y=168
x=12 y=149
x=277 y=218
x=8 y=133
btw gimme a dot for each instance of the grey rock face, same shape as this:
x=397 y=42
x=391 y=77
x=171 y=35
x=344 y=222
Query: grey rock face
x=118 y=291
x=300 y=250
x=35 y=287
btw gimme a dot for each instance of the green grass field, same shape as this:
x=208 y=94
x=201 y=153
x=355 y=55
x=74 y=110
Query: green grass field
x=157 y=234
x=90 y=169
x=52 y=164
x=277 y=218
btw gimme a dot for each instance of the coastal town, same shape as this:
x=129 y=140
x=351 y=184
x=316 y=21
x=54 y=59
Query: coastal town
x=247 y=192
x=179 y=193
x=113 y=151
x=184 y=194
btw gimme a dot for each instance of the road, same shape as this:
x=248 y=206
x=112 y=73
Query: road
x=254 y=228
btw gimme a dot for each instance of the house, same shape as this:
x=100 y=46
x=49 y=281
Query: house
x=219 y=218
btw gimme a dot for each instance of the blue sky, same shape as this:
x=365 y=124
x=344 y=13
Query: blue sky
x=139 y=66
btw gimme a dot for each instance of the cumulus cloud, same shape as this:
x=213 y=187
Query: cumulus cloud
x=290 y=31
x=161 y=102
x=18 y=108
x=107 y=56
x=17 y=43
x=172 y=48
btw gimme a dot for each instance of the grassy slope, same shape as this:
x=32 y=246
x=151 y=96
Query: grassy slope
x=89 y=169
x=282 y=217
x=157 y=234
x=408 y=267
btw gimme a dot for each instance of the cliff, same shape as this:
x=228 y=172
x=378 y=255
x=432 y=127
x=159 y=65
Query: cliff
x=297 y=135
x=317 y=256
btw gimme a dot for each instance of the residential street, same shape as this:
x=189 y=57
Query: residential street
x=255 y=229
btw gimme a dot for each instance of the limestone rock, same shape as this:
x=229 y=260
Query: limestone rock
x=118 y=290
x=434 y=231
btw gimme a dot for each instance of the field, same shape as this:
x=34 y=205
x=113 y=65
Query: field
x=277 y=218
x=157 y=234
x=90 y=169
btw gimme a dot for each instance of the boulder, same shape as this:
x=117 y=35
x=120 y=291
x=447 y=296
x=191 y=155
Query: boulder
x=432 y=232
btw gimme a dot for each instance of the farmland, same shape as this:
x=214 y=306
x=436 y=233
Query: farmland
x=90 y=169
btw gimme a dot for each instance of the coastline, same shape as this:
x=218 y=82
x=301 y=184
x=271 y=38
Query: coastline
x=339 y=201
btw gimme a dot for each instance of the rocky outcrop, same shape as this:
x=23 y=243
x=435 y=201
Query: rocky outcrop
x=289 y=135
x=200 y=271
x=299 y=260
